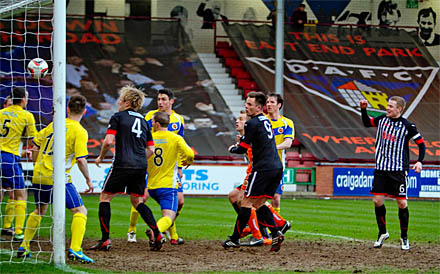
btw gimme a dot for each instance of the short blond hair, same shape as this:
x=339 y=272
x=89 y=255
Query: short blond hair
x=400 y=102
x=132 y=95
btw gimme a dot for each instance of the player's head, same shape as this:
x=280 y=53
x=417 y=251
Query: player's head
x=255 y=103
x=7 y=102
x=426 y=20
x=241 y=120
x=274 y=103
x=301 y=7
x=161 y=119
x=165 y=99
x=395 y=107
x=76 y=105
x=19 y=96
x=130 y=97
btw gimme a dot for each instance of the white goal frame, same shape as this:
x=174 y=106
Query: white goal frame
x=59 y=104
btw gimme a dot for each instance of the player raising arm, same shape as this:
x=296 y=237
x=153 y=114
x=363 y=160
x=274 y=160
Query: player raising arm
x=42 y=180
x=134 y=145
x=392 y=163
x=169 y=149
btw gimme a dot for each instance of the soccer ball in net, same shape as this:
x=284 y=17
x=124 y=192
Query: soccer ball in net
x=38 y=68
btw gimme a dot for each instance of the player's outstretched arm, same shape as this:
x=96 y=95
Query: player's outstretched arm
x=185 y=152
x=83 y=167
x=108 y=141
x=366 y=120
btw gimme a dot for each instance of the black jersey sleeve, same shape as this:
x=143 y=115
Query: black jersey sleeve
x=113 y=125
x=418 y=139
x=370 y=121
x=245 y=140
x=150 y=141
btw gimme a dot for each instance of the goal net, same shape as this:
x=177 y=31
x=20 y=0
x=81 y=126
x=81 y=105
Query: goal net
x=25 y=33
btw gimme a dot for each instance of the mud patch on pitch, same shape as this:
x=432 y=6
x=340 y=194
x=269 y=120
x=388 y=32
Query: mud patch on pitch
x=295 y=255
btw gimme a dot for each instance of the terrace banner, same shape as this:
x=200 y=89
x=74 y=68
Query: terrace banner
x=104 y=55
x=358 y=182
x=328 y=70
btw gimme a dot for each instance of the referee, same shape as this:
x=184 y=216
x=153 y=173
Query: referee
x=392 y=163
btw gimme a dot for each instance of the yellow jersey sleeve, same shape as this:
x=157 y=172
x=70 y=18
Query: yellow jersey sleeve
x=82 y=138
x=185 y=152
x=15 y=123
x=31 y=130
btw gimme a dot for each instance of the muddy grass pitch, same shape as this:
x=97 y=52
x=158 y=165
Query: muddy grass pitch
x=295 y=255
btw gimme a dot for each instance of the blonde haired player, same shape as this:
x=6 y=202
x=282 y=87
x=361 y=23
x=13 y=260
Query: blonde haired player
x=42 y=180
x=15 y=123
x=165 y=101
x=134 y=145
x=170 y=149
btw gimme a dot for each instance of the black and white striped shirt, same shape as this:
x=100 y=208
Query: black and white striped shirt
x=392 y=141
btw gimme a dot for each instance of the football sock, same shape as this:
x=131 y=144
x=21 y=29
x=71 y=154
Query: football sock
x=236 y=207
x=9 y=214
x=263 y=230
x=78 y=229
x=404 y=220
x=173 y=231
x=279 y=221
x=164 y=223
x=104 y=219
x=253 y=225
x=33 y=223
x=179 y=210
x=134 y=216
x=148 y=217
x=240 y=224
x=380 y=218
x=20 y=216
x=265 y=216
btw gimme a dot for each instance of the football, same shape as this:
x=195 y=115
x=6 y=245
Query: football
x=38 y=68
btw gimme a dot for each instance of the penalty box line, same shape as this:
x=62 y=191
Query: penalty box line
x=337 y=237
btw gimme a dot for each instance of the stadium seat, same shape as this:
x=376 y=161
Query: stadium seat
x=227 y=53
x=296 y=143
x=243 y=75
x=307 y=156
x=293 y=163
x=246 y=92
x=233 y=63
x=222 y=45
x=303 y=175
x=309 y=163
x=292 y=155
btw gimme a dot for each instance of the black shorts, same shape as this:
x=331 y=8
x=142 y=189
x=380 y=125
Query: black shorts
x=125 y=180
x=390 y=183
x=263 y=183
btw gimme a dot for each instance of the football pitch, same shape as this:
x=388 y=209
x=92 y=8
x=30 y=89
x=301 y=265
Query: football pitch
x=329 y=229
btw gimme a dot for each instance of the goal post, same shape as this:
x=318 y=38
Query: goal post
x=30 y=29
x=59 y=128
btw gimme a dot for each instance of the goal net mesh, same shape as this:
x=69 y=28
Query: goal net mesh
x=25 y=33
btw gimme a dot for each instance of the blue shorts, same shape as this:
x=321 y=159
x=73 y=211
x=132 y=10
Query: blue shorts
x=280 y=188
x=165 y=197
x=43 y=194
x=11 y=171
